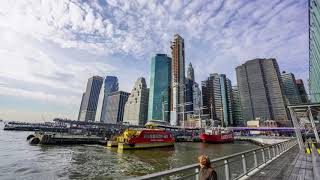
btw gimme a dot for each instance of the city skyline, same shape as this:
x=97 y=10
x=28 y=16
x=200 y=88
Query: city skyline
x=218 y=37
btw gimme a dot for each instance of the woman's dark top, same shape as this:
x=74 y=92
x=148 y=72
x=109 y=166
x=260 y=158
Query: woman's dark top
x=208 y=174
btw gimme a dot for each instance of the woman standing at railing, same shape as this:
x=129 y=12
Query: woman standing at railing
x=206 y=170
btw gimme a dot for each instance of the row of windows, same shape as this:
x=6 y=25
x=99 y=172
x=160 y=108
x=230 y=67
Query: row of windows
x=155 y=136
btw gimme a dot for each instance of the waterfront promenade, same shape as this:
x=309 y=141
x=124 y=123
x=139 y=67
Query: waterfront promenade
x=279 y=161
x=291 y=165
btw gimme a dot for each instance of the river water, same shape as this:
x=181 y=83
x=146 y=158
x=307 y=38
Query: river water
x=20 y=160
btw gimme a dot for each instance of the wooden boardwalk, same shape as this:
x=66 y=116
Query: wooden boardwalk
x=291 y=165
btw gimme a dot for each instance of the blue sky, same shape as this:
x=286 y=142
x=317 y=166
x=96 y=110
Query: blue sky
x=49 y=49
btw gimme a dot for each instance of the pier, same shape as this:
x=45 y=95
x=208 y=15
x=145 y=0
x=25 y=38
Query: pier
x=64 y=138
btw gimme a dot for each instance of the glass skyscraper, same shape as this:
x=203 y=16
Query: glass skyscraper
x=189 y=89
x=290 y=88
x=90 y=98
x=115 y=108
x=261 y=91
x=217 y=97
x=314 y=50
x=109 y=86
x=159 y=94
x=236 y=108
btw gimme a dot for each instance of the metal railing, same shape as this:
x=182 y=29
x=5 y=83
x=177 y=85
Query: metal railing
x=228 y=167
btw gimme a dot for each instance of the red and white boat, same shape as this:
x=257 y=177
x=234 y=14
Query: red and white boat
x=148 y=138
x=217 y=135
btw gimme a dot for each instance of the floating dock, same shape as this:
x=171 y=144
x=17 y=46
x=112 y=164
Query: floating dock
x=64 y=138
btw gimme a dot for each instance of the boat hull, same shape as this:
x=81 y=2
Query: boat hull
x=219 y=138
x=122 y=146
x=112 y=144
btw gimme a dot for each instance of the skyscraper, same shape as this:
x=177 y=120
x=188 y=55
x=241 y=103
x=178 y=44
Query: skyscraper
x=217 y=97
x=136 y=108
x=90 y=99
x=302 y=91
x=110 y=85
x=178 y=80
x=236 y=107
x=314 y=50
x=190 y=72
x=159 y=94
x=197 y=99
x=290 y=88
x=261 y=91
x=115 y=106
x=189 y=89
x=189 y=95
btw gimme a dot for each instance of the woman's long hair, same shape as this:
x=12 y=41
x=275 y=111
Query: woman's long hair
x=204 y=161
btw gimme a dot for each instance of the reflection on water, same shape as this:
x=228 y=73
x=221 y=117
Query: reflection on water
x=21 y=160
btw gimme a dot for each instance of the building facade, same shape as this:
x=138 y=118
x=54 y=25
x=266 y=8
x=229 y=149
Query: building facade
x=136 y=108
x=314 y=50
x=110 y=84
x=236 y=107
x=302 y=91
x=261 y=91
x=197 y=99
x=190 y=73
x=178 y=80
x=217 y=98
x=189 y=89
x=159 y=94
x=290 y=88
x=90 y=98
x=115 y=106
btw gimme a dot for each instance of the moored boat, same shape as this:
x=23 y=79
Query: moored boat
x=217 y=135
x=148 y=138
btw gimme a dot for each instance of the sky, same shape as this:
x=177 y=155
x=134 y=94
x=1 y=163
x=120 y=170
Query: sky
x=49 y=49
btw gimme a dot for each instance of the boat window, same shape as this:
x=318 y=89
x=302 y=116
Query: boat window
x=156 y=136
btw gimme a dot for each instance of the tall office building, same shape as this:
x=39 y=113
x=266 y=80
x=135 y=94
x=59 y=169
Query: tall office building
x=261 y=91
x=90 y=99
x=110 y=84
x=189 y=89
x=197 y=99
x=189 y=96
x=314 y=50
x=190 y=73
x=178 y=81
x=159 y=94
x=236 y=108
x=217 y=97
x=290 y=88
x=136 y=108
x=302 y=91
x=115 y=106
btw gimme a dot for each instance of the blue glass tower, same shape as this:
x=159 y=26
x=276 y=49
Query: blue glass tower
x=314 y=50
x=159 y=95
x=110 y=85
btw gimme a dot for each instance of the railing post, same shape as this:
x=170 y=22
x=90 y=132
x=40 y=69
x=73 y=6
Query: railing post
x=263 y=156
x=226 y=169
x=244 y=164
x=274 y=152
x=197 y=173
x=269 y=153
x=285 y=145
x=255 y=159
